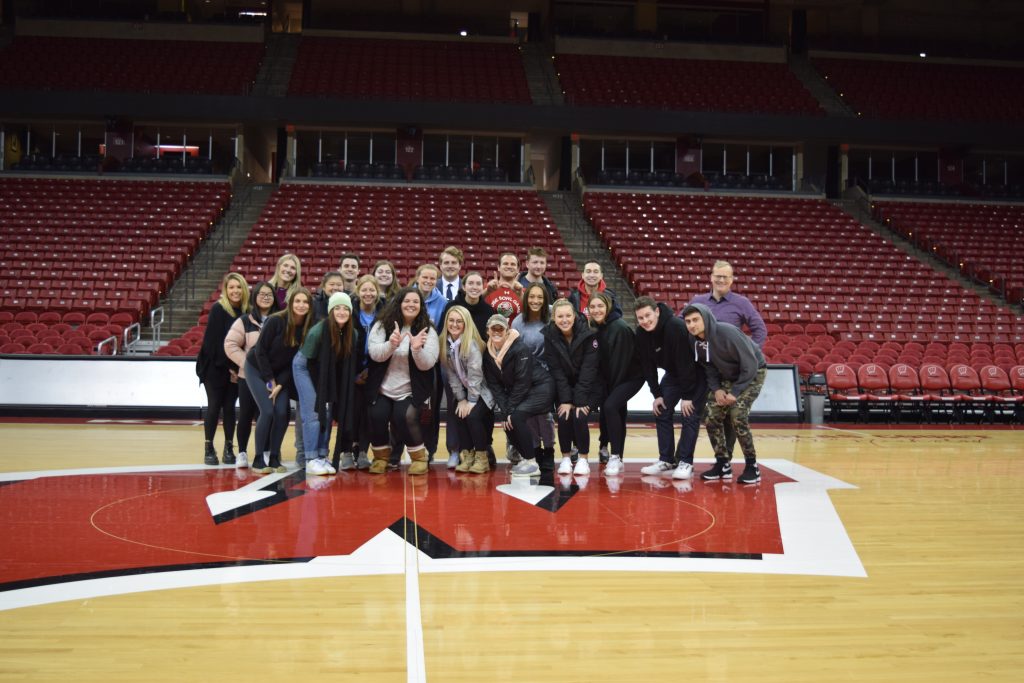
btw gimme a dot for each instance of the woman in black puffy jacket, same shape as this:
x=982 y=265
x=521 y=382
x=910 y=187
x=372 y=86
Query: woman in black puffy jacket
x=571 y=350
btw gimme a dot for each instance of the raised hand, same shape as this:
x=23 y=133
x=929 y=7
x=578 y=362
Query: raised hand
x=396 y=337
x=419 y=340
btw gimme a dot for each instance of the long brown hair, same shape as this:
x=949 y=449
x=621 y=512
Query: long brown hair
x=341 y=337
x=293 y=336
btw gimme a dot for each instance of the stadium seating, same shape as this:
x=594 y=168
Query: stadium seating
x=166 y=66
x=98 y=252
x=358 y=68
x=985 y=241
x=683 y=84
x=800 y=261
x=925 y=90
x=406 y=225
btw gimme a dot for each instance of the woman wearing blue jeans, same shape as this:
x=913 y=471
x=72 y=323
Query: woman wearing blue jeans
x=325 y=371
x=268 y=372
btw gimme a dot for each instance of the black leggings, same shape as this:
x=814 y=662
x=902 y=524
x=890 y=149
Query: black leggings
x=220 y=400
x=247 y=411
x=574 y=430
x=613 y=414
x=473 y=432
x=522 y=435
x=403 y=416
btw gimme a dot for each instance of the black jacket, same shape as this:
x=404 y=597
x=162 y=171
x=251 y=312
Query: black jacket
x=480 y=312
x=335 y=381
x=670 y=347
x=519 y=375
x=272 y=357
x=574 y=365
x=617 y=353
x=213 y=365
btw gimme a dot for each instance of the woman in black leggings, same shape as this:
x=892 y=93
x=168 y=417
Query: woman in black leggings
x=620 y=375
x=241 y=337
x=521 y=388
x=217 y=373
x=570 y=347
x=403 y=351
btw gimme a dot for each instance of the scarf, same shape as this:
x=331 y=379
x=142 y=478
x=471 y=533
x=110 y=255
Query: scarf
x=499 y=355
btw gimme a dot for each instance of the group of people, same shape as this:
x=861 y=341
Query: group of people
x=378 y=360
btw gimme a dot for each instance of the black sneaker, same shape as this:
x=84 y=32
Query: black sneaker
x=602 y=455
x=229 y=455
x=210 y=457
x=751 y=474
x=259 y=463
x=721 y=470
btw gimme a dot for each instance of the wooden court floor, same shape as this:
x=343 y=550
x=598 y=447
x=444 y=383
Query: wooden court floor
x=935 y=519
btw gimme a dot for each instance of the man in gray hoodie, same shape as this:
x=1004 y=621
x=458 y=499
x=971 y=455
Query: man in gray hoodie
x=735 y=370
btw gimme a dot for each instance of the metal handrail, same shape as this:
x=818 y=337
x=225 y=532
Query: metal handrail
x=109 y=341
x=131 y=336
x=156 y=320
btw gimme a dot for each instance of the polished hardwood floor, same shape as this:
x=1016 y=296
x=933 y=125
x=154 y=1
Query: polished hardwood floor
x=935 y=519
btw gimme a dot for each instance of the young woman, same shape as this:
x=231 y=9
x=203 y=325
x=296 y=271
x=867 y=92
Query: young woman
x=287 y=278
x=571 y=349
x=472 y=416
x=387 y=278
x=332 y=282
x=521 y=388
x=241 y=337
x=620 y=372
x=325 y=371
x=217 y=373
x=471 y=297
x=370 y=302
x=268 y=372
x=530 y=325
x=403 y=351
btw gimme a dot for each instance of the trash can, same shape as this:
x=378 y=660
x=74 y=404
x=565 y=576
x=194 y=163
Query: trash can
x=814 y=404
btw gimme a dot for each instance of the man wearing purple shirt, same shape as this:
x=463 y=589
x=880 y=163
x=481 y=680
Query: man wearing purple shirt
x=735 y=309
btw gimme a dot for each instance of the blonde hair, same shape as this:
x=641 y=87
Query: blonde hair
x=223 y=300
x=297 y=282
x=562 y=302
x=470 y=337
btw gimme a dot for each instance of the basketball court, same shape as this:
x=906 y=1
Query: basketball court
x=863 y=554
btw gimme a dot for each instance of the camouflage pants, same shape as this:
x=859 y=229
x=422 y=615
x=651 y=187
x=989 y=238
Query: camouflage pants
x=738 y=414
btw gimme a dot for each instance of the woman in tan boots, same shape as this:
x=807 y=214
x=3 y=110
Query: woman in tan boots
x=462 y=357
x=403 y=351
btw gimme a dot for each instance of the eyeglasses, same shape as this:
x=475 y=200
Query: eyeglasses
x=265 y=295
x=721 y=277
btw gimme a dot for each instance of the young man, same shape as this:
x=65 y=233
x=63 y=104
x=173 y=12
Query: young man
x=662 y=342
x=450 y=262
x=504 y=291
x=735 y=309
x=349 y=269
x=536 y=265
x=735 y=371
x=591 y=283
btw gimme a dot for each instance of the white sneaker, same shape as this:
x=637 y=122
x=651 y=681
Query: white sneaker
x=453 y=461
x=565 y=467
x=684 y=470
x=317 y=467
x=614 y=466
x=582 y=466
x=525 y=468
x=241 y=461
x=657 y=468
x=328 y=465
